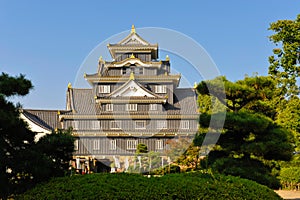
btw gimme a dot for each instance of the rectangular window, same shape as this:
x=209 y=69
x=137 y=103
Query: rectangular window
x=96 y=145
x=104 y=89
x=160 y=89
x=109 y=107
x=159 y=144
x=140 y=124
x=131 y=107
x=138 y=70
x=131 y=144
x=115 y=125
x=113 y=144
x=152 y=106
x=184 y=124
x=95 y=124
x=75 y=125
x=162 y=124
x=76 y=144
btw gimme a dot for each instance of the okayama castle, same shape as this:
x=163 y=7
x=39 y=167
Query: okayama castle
x=133 y=99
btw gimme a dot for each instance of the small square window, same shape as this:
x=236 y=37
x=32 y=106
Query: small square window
x=113 y=144
x=184 y=124
x=104 y=89
x=131 y=144
x=115 y=125
x=131 y=107
x=140 y=125
x=152 y=107
x=159 y=144
x=162 y=124
x=109 y=107
x=160 y=89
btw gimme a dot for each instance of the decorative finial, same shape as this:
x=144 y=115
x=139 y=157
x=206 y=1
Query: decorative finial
x=100 y=59
x=84 y=75
x=132 y=56
x=132 y=29
x=95 y=97
x=195 y=85
x=167 y=58
x=69 y=85
x=131 y=76
x=58 y=112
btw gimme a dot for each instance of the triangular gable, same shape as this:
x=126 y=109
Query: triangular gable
x=133 y=39
x=132 y=89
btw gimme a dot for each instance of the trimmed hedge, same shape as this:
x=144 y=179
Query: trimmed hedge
x=134 y=186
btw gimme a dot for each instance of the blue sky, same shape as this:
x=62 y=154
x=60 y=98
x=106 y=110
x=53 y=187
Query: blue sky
x=48 y=40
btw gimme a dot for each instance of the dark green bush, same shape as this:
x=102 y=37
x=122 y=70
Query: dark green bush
x=250 y=169
x=134 y=186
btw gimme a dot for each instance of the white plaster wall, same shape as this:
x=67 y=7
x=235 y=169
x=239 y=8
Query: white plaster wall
x=35 y=128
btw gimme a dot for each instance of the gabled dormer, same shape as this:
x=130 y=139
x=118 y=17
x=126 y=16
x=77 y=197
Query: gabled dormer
x=134 y=45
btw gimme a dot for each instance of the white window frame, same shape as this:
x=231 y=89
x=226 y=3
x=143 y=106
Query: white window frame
x=160 y=89
x=159 y=144
x=104 y=89
x=131 y=144
x=96 y=144
x=113 y=144
x=95 y=124
x=131 y=107
x=184 y=124
x=162 y=124
x=138 y=126
x=109 y=107
x=116 y=126
x=153 y=106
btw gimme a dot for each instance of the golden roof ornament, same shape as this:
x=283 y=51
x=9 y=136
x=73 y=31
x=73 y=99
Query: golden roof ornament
x=132 y=29
x=195 y=85
x=58 y=112
x=131 y=76
x=132 y=56
x=167 y=58
x=69 y=85
x=100 y=59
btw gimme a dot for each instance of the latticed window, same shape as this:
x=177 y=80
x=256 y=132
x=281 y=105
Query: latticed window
x=140 y=124
x=95 y=125
x=113 y=144
x=161 y=124
x=96 y=145
x=109 y=107
x=115 y=124
x=160 y=89
x=131 y=107
x=131 y=144
x=104 y=88
x=152 y=106
x=184 y=124
x=159 y=144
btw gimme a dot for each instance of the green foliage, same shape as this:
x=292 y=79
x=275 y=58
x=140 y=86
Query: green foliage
x=141 y=148
x=284 y=64
x=250 y=136
x=57 y=149
x=236 y=95
x=24 y=162
x=130 y=186
x=15 y=138
x=290 y=178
